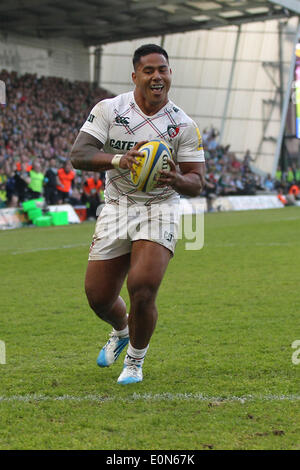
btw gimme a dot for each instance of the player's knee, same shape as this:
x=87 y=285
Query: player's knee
x=142 y=295
x=98 y=301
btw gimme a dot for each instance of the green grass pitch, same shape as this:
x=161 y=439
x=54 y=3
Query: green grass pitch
x=218 y=374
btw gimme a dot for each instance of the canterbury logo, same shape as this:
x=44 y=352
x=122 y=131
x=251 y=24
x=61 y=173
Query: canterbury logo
x=122 y=120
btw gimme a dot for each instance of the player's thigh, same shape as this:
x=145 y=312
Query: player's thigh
x=104 y=279
x=149 y=261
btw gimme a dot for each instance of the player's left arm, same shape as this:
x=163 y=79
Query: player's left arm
x=190 y=181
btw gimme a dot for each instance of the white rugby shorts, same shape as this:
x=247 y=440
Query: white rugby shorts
x=117 y=227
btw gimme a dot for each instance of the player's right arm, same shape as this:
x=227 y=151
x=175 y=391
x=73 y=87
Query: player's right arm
x=87 y=155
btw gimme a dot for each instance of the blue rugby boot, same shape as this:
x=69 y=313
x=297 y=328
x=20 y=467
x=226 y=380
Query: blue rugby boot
x=132 y=371
x=131 y=374
x=112 y=349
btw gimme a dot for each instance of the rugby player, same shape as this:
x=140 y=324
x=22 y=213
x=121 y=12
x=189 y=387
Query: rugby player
x=109 y=141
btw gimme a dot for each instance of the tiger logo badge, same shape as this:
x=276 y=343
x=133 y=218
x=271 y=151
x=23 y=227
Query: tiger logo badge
x=172 y=130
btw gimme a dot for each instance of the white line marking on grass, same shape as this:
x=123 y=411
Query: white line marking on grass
x=148 y=397
x=62 y=247
x=218 y=245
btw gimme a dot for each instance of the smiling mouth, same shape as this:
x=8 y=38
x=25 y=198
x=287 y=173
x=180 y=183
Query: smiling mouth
x=156 y=87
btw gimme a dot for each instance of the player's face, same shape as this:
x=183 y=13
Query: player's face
x=152 y=79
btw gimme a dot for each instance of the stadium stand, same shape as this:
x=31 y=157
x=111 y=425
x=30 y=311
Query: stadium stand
x=34 y=127
x=38 y=133
x=228 y=176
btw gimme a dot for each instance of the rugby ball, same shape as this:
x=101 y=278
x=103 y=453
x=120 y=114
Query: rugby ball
x=155 y=155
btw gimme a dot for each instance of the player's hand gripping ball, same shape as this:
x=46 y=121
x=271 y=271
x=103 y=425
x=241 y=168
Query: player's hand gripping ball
x=155 y=158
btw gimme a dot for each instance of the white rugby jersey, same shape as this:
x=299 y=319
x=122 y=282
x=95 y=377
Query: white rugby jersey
x=119 y=124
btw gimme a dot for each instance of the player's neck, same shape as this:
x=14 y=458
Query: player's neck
x=148 y=108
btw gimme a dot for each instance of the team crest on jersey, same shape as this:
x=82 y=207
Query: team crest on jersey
x=172 y=131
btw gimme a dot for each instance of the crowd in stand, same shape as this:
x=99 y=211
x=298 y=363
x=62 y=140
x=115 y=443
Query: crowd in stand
x=38 y=126
x=40 y=123
x=226 y=175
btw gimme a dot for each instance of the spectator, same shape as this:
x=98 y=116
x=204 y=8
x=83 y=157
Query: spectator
x=269 y=183
x=287 y=200
x=51 y=182
x=294 y=191
x=235 y=164
x=35 y=185
x=290 y=175
x=3 y=180
x=10 y=189
x=210 y=191
x=238 y=184
x=249 y=182
x=21 y=181
x=65 y=178
x=24 y=159
x=75 y=197
x=225 y=186
x=91 y=194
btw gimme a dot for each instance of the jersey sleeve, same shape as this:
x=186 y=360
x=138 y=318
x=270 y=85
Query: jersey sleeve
x=190 y=147
x=97 y=123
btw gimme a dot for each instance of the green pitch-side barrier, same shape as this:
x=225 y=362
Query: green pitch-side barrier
x=34 y=213
x=32 y=204
x=59 y=218
x=43 y=221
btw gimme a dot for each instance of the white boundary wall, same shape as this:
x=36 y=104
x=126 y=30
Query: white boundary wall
x=230 y=203
x=202 y=65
